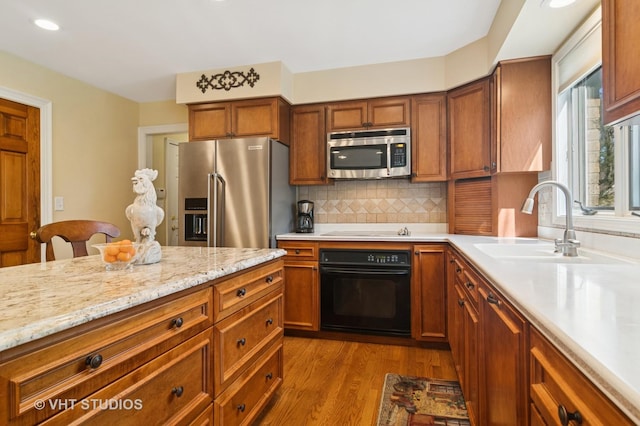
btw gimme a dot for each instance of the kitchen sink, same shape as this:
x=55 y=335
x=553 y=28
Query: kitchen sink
x=545 y=252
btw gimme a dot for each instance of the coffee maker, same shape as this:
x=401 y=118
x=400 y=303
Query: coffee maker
x=305 y=216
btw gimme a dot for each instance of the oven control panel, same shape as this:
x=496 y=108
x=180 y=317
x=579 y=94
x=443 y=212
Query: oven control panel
x=365 y=257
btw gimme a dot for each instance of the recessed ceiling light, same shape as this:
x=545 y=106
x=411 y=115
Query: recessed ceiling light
x=46 y=24
x=556 y=4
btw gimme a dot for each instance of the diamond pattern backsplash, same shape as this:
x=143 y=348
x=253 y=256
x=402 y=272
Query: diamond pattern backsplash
x=378 y=201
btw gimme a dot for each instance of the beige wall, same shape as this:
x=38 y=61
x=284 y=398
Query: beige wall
x=94 y=141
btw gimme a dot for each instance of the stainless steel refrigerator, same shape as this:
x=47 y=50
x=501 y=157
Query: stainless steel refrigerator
x=234 y=193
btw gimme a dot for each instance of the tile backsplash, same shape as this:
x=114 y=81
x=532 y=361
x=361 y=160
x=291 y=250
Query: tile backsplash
x=378 y=201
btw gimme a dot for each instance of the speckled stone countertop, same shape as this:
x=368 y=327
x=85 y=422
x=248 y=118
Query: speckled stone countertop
x=40 y=299
x=589 y=311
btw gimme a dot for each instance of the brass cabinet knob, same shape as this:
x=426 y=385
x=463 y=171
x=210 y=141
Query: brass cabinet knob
x=33 y=235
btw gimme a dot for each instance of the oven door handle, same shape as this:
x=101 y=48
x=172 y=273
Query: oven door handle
x=330 y=270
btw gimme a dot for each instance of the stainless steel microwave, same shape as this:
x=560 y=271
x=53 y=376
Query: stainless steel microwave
x=369 y=154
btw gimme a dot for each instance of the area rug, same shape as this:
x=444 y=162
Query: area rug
x=417 y=401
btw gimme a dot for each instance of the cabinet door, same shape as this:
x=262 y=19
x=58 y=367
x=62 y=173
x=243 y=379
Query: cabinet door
x=389 y=112
x=308 y=161
x=521 y=115
x=301 y=296
x=209 y=121
x=468 y=128
x=504 y=349
x=620 y=65
x=429 y=300
x=257 y=117
x=471 y=377
x=346 y=116
x=429 y=138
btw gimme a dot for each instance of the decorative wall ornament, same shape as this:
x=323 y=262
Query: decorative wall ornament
x=228 y=80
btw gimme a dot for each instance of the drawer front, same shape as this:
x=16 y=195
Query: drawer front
x=242 y=336
x=174 y=388
x=244 y=400
x=79 y=366
x=556 y=383
x=235 y=293
x=299 y=250
x=469 y=282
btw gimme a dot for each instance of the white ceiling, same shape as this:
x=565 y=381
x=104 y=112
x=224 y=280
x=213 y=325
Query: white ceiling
x=135 y=48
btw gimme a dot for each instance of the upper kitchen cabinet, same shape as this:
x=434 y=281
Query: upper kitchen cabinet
x=307 y=158
x=429 y=138
x=521 y=115
x=376 y=113
x=469 y=130
x=240 y=119
x=620 y=65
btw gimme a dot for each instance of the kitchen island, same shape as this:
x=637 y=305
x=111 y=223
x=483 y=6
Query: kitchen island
x=204 y=323
x=586 y=307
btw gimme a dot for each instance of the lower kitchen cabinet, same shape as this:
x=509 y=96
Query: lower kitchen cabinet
x=302 y=292
x=503 y=366
x=560 y=394
x=429 y=321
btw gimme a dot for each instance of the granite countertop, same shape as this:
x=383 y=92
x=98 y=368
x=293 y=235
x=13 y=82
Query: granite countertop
x=40 y=299
x=590 y=311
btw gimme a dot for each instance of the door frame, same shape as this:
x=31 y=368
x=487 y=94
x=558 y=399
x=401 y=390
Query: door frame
x=46 y=153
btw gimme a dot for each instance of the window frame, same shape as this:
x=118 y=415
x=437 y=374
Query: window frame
x=618 y=220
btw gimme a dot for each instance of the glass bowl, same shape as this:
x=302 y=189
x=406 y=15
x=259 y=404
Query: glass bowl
x=118 y=255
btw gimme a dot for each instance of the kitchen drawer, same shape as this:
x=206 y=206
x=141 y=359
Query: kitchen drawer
x=174 y=389
x=556 y=383
x=467 y=279
x=299 y=250
x=242 y=336
x=73 y=368
x=235 y=293
x=245 y=398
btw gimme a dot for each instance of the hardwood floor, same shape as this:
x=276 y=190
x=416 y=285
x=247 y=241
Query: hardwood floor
x=331 y=382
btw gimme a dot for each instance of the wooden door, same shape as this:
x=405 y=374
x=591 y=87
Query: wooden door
x=469 y=130
x=429 y=138
x=307 y=156
x=209 y=121
x=429 y=320
x=19 y=182
x=301 y=296
x=347 y=116
x=389 y=112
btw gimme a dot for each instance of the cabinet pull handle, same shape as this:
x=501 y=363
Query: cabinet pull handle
x=242 y=342
x=177 y=391
x=461 y=302
x=297 y=251
x=469 y=285
x=94 y=361
x=269 y=321
x=177 y=322
x=269 y=376
x=269 y=279
x=241 y=292
x=241 y=407
x=565 y=416
x=452 y=261
x=458 y=270
x=486 y=168
x=493 y=299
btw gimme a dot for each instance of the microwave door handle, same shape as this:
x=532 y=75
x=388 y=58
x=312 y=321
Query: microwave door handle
x=388 y=159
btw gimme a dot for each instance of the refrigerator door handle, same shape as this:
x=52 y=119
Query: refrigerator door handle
x=219 y=196
x=210 y=219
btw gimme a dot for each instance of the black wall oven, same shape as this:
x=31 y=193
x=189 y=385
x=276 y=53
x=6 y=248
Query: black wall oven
x=366 y=291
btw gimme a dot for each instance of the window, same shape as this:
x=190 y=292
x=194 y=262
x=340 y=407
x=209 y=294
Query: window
x=600 y=164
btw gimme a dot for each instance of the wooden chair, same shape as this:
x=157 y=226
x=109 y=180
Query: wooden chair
x=76 y=232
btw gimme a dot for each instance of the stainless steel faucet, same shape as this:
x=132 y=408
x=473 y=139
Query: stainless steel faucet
x=568 y=245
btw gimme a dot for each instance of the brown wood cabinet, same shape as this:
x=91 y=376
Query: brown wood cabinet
x=307 y=155
x=620 y=65
x=428 y=293
x=491 y=206
x=175 y=360
x=302 y=291
x=374 y=113
x=469 y=130
x=240 y=119
x=429 y=138
x=463 y=328
x=521 y=115
x=560 y=391
x=503 y=360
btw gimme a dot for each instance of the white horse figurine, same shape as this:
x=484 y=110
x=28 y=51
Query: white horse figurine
x=145 y=215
